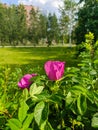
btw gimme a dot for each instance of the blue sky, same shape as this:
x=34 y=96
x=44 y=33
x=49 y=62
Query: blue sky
x=9 y=1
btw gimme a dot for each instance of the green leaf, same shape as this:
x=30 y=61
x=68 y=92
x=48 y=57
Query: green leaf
x=28 y=121
x=69 y=99
x=68 y=128
x=93 y=72
x=34 y=90
x=56 y=98
x=81 y=104
x=90 y=96
x=23 y=111
x=45 y=112
x=14 y=124
x=74 y=107
x=43 y=125
x=69 y=75
x=96 y=95
x=95 y=121
x=43 y=96
x=25 y=93
x=78 y=90
x=48 y=126
x=96 y=61
x=28 y=129
x=38 y=112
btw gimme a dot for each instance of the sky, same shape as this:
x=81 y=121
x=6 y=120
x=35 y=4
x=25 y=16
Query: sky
x=46 y=6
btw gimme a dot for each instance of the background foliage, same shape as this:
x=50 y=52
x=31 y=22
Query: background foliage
x=87 y=20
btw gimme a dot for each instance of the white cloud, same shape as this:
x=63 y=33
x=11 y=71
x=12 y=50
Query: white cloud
x=57 y=3
x=41 y=1
x=46 y=5
x=32 y=2
x=23 y=2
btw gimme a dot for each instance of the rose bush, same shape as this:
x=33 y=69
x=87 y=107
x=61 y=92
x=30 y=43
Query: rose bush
x=62 y=102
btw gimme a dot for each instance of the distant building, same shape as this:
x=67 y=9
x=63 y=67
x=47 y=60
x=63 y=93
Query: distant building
x=5 y=5
x=28 y=9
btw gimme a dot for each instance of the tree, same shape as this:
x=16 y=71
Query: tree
x=42 y=25
x=34 y=26
x=55 y=27
x=21 y=24
x=67 y=19
x=3 y=24
x=12 y=24
x=87 y=20
x=52 y=28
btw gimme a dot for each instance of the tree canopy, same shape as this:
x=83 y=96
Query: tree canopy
x=87 y=20
x=16 y=26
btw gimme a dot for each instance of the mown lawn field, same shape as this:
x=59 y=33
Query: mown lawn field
x=36 y=56
x=28 y=55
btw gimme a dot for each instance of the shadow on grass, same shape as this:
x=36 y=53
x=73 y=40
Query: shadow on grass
x=37 y=56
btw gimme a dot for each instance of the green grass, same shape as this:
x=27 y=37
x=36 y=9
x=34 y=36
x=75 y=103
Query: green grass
x=35 y=57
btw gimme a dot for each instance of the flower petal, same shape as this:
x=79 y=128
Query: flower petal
x=54 y=69
x=25 y=81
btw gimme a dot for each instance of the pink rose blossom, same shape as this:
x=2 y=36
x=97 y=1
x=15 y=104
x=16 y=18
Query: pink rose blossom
x=54 y=69
x=25 y=81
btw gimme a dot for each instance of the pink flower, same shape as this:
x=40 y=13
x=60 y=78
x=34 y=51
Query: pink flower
x=25 y=81
x=54 y=69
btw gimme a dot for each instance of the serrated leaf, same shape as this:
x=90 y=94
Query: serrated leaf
x=14 y=124
x=95 y=121
x=81 y=104
x=38 y=112
x=35 y=90
x=28 y=121
x=23 y=111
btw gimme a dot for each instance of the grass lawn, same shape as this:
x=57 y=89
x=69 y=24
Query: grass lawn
x=36 y=56
x=32 y=55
